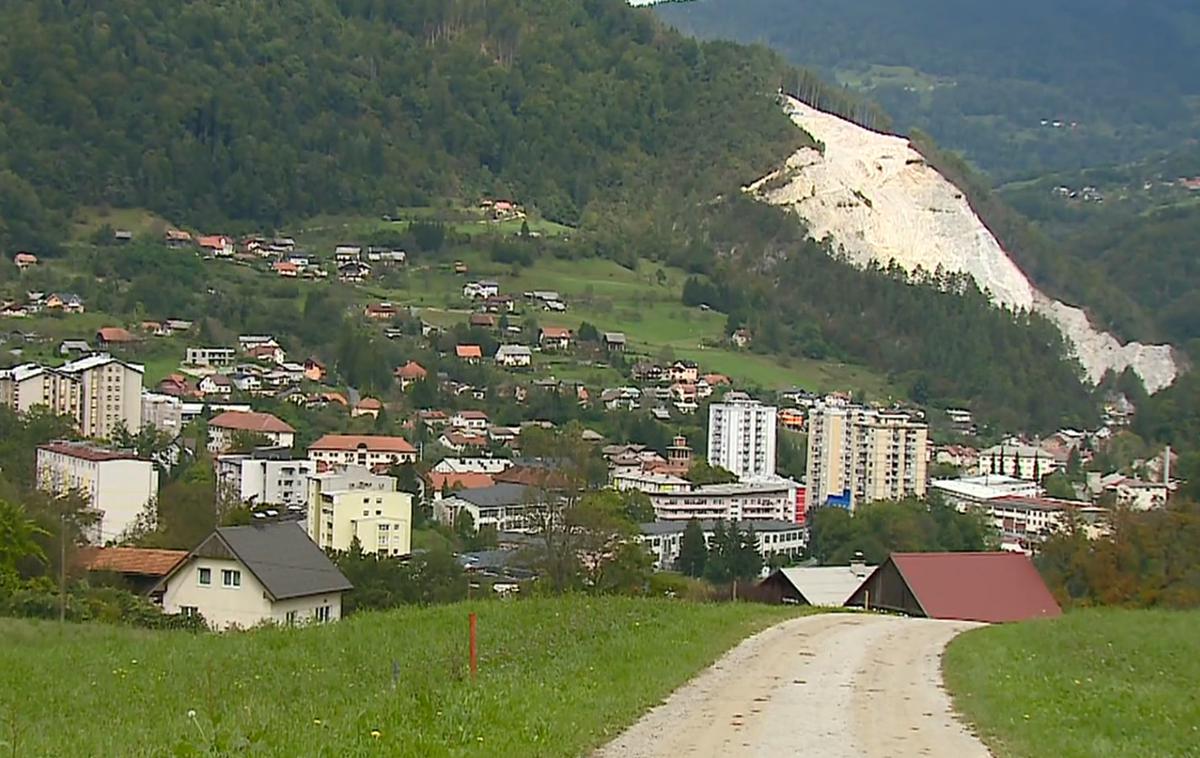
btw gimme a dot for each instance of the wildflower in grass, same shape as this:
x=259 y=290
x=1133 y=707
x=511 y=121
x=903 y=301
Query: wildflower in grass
x=375 y=733
x=191 y=714
x=317 y=722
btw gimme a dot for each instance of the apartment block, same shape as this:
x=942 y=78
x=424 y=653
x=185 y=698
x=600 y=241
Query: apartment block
x=741 y=436
x=115 y=484
x=266 y=476
x=858 y=455
x=349 y=502
x=100 y=392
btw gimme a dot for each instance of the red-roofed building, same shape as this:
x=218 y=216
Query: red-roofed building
x=444 y=482
x=554 y=338
x=988 y=587
x=314 y=370
x=217 y=244
x=114 y=483
x=141 y=567
x=267 y=352
x=223 y=427
x=380 y=311
x=286 y=269
x=470 y=419
x=113 y=336
x=408 y=373
x=372 y=451
x=25 y=260
x=367 y=406
x=469 y=353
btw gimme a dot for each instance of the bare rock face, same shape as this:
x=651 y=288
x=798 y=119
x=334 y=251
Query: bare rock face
x=874 y=196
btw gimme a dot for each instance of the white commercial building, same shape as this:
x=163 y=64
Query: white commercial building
x=859 y=455
x=763 y=500
x=350 y=502
x=741 y=436
x=162 y=412
x=1027 y=462
x=267 y=476
x=663 y=539
x=372 y=451
x=116 y=485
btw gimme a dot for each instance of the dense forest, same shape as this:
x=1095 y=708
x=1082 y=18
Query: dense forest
x=271 y=111
x=1119 y=77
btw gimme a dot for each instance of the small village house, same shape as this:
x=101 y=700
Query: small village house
x=367 y=406
x=25 y=260
x=468 y=353
x=108 y=337
x=514 y=356
x=314 y=370
x=554 y=338
x=409 y=373
x=615 y=342
x=242 y=576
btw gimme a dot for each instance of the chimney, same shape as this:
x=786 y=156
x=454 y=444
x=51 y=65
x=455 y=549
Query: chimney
x=858 y=566
x=1166 y=468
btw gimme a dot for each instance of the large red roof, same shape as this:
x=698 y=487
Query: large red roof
x=131 y=560
x=251 y=421
x=373 y=443
x=990 y=587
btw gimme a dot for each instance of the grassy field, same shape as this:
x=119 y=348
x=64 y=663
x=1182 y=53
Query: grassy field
x=556 y=677
x=1093 y=683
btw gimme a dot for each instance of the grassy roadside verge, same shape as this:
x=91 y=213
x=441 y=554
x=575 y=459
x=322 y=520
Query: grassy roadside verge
x=557 y=677
x=1104 y=682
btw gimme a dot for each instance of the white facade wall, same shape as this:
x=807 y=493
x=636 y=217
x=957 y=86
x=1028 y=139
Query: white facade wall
x=243 y=606
x=741 y=437
x=263 y=481
x=118 y=489
x=361 y=457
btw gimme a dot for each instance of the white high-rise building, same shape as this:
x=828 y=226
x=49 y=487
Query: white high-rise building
x=99 y=391
x=741 y=436
x=857 y=455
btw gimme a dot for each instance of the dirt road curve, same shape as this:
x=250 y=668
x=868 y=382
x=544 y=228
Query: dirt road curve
x=829 y=686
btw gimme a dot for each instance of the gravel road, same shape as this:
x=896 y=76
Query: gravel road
x=831 y=685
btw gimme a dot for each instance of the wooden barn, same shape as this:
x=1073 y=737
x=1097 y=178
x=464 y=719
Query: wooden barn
x=988 y=587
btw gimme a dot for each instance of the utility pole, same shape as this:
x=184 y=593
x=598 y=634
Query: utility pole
x=62 y=568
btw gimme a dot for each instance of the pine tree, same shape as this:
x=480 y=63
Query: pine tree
x=693 y=550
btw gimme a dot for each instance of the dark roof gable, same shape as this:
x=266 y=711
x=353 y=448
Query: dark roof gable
x=280 y=556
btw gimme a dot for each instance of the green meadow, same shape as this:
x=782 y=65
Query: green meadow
x=557 y=677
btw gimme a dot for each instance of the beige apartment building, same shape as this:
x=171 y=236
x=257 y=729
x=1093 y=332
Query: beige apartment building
x=117 y=485
x=349 y=502
x=100 y=392
x=858 y=455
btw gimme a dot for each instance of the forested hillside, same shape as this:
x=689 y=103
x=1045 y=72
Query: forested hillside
x=1121 y=78
x=263 y=112
x=247 y=115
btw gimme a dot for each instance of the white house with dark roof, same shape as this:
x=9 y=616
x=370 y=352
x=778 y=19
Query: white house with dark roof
x=504 y=506
x=242 y=576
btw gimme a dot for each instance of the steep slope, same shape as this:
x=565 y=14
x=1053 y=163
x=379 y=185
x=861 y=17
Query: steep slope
x=878 y=200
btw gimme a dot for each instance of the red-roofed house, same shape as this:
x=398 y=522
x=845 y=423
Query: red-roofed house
x=373 y=451
x=115 y=483
x=554 y=337
x=469 y=353
x=267 y=352
x=470 y=419
x=408 y=373
x=380 y=311
x=286 y=269
x=988 y=587
x=25 y=260
x=217 y=244
x=141 y=567
x=462 y=441
x=223 y=427
x=113 y=336
x=367 y=406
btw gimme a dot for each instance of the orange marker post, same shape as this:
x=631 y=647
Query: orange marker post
x=474 y=653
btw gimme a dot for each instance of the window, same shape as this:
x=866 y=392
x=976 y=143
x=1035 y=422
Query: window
x=290 y=619
x=231 y=578
x=189 y=610
x=322 y=613
x=204 y=576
